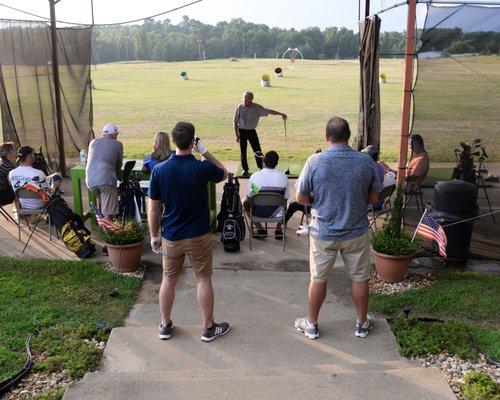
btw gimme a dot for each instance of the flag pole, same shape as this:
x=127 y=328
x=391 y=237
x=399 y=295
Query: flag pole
x=419 y=222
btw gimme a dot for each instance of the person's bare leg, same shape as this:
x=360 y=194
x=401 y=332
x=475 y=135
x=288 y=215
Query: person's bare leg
x=359 y=292
x=206 y=300
x=317 y=295
x=166 y=298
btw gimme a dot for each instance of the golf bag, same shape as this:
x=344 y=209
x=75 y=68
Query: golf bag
x=230 y=220
x=131 y=194
x=73 y=233
x=40 y=162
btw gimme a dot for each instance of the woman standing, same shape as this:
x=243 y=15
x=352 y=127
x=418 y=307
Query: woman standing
x=161 y=152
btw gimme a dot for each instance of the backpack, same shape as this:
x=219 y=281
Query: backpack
x=230 y=220
x=70 y=226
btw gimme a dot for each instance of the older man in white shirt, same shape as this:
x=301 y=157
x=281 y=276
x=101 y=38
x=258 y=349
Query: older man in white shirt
x=246 y=119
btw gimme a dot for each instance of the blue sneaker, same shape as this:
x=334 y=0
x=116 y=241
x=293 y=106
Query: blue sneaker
x=363 y=329
x=166 y=331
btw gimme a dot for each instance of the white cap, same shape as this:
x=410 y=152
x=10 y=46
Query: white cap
x=110 y=129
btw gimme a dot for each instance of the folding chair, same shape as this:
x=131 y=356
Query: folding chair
x=385 y=195
x=271 y=200
x=23 y=193
x=416 y=193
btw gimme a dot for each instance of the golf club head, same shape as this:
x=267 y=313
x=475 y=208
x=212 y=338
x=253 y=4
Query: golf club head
x=287 y=172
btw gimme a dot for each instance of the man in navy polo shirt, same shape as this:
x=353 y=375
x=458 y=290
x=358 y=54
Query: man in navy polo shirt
x=179 y=203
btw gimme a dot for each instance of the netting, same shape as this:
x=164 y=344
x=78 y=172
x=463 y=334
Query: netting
x=27 y=88
x=457 y=90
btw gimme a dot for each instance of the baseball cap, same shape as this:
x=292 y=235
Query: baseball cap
x=23 y=152
x=110 y=129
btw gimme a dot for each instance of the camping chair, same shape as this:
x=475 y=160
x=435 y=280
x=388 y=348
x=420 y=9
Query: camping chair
x=271 y=200
x=23 y=193
x=385 y=195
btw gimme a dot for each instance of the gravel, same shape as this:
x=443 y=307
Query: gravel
x=454 y=369
x=412 y=281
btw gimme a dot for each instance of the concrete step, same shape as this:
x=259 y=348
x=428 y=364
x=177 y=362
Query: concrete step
x=391 y=384
x=246 y=346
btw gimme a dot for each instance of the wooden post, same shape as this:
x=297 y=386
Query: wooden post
x=408 y=84
x=57 y=88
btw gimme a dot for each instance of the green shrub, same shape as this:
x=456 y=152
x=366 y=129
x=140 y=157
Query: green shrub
x=479 y=386
x=322 y=56
x=131 y=232
x=391 y=239
x=233 y=59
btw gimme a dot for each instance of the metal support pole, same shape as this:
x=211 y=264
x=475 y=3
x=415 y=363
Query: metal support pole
x=57 y=88
x=367 y=8
x=408 y=84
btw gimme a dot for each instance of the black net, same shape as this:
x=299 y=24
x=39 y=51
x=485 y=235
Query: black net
x=457 y=91
x=27 y=86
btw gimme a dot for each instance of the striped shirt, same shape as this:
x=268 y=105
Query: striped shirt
x=5 y=167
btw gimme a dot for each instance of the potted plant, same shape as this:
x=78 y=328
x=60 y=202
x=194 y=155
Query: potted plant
x=466 y=156
x=124 y=244
x=392 y=246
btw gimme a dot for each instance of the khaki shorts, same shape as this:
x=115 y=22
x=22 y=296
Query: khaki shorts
x=107 y=199
x=198 y=249
x=355 y=253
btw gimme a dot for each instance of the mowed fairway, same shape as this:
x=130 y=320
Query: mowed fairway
x=147 y=97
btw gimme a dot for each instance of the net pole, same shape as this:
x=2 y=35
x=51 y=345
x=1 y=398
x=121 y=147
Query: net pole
x=408 y=82
x=57 y=88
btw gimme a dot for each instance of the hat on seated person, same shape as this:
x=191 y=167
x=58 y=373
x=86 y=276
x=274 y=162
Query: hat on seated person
x=23 y=152
x=110 y=129
x=372 y=151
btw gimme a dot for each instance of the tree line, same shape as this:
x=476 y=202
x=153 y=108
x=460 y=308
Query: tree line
x=191 y=39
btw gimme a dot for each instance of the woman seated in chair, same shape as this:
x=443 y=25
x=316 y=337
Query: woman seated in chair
x=161 y=152
x=7 y=155
x=267 y=180
x=418 y=167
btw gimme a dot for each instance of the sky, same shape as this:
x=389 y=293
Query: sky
x=296 y=14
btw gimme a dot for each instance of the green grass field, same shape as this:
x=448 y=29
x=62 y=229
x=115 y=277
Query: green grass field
x=144 y=98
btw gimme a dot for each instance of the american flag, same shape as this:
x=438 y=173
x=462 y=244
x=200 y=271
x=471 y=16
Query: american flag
x=429 y=228
x=103 y=222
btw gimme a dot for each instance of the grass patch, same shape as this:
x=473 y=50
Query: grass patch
x=467 y=301
x=64 y=301
x=51 y=394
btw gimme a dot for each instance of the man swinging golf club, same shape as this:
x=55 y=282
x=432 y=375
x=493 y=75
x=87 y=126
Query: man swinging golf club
x=246 y=119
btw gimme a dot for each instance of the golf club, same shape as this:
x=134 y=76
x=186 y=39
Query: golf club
x=287 y=171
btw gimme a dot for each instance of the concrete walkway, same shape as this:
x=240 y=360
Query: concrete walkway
x=260 y=293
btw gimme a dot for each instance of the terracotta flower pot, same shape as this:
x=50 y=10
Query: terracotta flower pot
x=391 y=269
x=130 y=256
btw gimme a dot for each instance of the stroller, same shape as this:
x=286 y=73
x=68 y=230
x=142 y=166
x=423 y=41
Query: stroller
x=230 y=220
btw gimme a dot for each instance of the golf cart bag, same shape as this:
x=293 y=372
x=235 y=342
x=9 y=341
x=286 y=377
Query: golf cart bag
x=73 y=233
x=40 y=162
x=131 y=194
x=230 y=220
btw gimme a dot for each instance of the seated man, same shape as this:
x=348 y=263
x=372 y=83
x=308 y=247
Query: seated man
x=24 y=174
x=267 y=180
x=7 y=155
x=418 y=167
x=373 y=152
